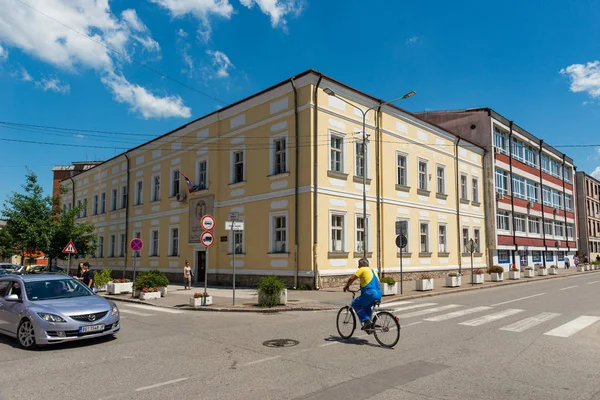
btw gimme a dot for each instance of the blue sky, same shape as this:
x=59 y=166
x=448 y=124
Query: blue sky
x=535 y=62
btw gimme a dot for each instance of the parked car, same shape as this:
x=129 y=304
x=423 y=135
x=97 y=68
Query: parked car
x=39 y=269
x=45 y=309
x=8 y=266
x=4 y=272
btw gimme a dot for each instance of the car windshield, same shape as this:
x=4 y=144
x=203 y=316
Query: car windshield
x=55 y=289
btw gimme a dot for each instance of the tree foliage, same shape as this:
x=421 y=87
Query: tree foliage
x=7 y=248
x=67 y=228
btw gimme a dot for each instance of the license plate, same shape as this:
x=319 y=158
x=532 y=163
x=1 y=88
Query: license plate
x=91 y=328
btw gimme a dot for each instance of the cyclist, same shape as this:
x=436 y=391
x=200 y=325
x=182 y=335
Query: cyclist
x=370 y=292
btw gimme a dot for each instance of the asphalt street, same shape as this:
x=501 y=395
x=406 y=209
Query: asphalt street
x=530 y=341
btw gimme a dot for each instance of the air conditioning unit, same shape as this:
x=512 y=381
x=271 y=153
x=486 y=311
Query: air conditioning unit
x=499 y=196
x=530 y=204
x=181 y=196
x=496 y=150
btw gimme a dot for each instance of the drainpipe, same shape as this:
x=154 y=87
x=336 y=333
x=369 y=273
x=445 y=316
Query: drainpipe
x=378 y=185
x=565 y=203
x=512 y=190
x=72 y=206
x=296 y=176
x=126 y=214
x=316 y=185
x=457 y=174
x=542 y=199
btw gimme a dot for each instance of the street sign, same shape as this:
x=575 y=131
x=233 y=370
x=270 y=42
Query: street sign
x=136 y=244
x=470 y=247
x=207 y=238
x=207 y=222
x=234 y=226
x=70 y=248
x=401 y=241
x=233 y=216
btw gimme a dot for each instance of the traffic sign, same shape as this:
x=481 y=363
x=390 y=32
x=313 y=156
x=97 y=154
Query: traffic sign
x=70 y=248
x=233 y=216
x=207 y=222
x=207 y=238
x=234 y=226
x=136 y=244
x=401 y=241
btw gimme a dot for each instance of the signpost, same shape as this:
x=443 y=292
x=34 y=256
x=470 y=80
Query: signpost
x=471 y=249
x=70 y=249
x=207 y=239
x=136 y=244
x=207 y=222
x=401 y=243
x=234 y=225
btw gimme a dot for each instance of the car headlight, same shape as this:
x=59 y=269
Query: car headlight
x=51 y=317
x=115 y=310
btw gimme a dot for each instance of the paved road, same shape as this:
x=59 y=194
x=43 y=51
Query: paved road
x=532 y=341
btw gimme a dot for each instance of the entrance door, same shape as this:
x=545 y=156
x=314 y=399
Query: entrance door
x=200 y=265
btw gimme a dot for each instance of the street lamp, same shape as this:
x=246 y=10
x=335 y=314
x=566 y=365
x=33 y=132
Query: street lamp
x=330 y=92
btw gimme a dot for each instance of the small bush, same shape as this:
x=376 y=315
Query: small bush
x=123 y=280
x=495 y=269
x=101 y=278
x=304 y=287
x=554 y=266
x=426 y=276
x=271 y=288
x=388 y=280
x=453 y=273
x=152 y=278
x=199 y=295
x=542 y=267
x=478 y=272
x=514 y=269
x=528 y=268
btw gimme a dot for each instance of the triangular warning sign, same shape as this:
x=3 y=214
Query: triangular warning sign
x=70 y=248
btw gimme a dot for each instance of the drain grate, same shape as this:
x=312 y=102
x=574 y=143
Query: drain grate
x=281 y=343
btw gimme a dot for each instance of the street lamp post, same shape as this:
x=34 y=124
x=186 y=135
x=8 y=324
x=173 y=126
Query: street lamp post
x=330 y=92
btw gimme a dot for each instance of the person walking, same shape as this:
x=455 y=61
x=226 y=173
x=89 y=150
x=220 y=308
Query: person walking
x=576 y=261
x=187 y=276
x=567 y=262
x=88 y=276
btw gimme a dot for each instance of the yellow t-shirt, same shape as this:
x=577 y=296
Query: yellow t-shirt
x=365 y=275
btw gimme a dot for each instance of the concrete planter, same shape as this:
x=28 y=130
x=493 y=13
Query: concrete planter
x=580 y=268
x=542 y=271
x=453 y=281
x=149 y=296
x=200 y=301
x=497 y=277
x=553 y=271
x=514 y=275
x=387 y=289
x=529 y=273
x=423 y=285
x=587 y=267
x=163 y=291
x=282 y=297
x=102 y=288
x=478 y=279
x=118 y=288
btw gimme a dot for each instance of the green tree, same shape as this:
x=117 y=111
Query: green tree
x=67 y=228
x=7 y=249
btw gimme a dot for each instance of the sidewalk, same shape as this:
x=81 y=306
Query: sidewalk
x=317 y=300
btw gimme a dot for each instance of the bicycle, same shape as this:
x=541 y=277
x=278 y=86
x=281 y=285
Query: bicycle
x=384 y=323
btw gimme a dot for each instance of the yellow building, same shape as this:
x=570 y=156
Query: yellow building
x=308 y=226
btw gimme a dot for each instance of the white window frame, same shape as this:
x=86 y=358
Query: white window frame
x=531 y=222
x=139 y=192
x=114 y=196
x=464 y=189
x=443 y=246
x=441 y=190
x=501 y=180
x=520 y=220
x=240 y=243
x=124 y=196
x=122 y=244
x=103 y=203
x=232 y=164
x=570 y=230
x=477 y=239
x=344 y=235
x=407 y=248
x=559 y=229
x=342 y=137
x=504 y=215
x=174 y=172
x=154 y=193
x=426 y=174
x=112 y=245
x=519 y=187
x=500 y=140
x=531 y=186
x=475 y=189
x=85 y=206
x=368 y=233
x=199 y=161
x=406 y=174
x=273 y=232
x=172 y=252
x=549 y=228
x=366 y=158
x=154 y=246
x=100 y=248
x=428 y=237
x=465 y=239
x=273 y=157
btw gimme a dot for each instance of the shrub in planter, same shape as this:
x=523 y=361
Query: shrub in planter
x=529 y=272
x=388 y=286
x=478 y=276
x=200 y=299
x=149 y=293
x=553 y=270
x=271 y=292
x=514 y=273
x=453 y=279
x=118 y=286
x=542 y=270
x=497 y=273
x=152 y=278
x=101 y=279
x=425 y=282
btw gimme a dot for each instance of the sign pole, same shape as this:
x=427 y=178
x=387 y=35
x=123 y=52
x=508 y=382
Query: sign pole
x=401 y=272
x=69 y=265
x=471 y=249
x=133 y=291
x=233 y=243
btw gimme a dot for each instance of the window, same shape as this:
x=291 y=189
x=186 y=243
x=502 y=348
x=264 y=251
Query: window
x=570 y=230
x=561 y=256
x=518 y=187
x=534 y=225
x=238 y=239
x=156 y=188
x=545 y=163
x=533 y=191
x=463 y=187
x=477 y=239
x=442 y=245
x=174 y=242
x=202 y=174
x=441 y=180
x=137 y=234
x=279 y=234
x=518 y=150
x=502 y=181
x=111 y=245
x=138 y=192
x=123 y=196
x=520 y=223
x=95 y=208
x=568 y=202
x=122 y=245
x=337 y=233
x=84 y=208
x=503 y=221
x=113 y=199
x=549 y=228
x=401 y=166
x=154 y=244
x=547 y=196
x=64 y=208
x=102 y=203
x=424 y=237
x=404 y=230
x=559 y=229
x=79 y=208
x=337 y=153
x=503 y=256
x=422 y=175
x=475 y=188
x=568 y=173
x=550 y=256
x=279 y=156
x=536 y=256
x=100 y=249
x=465 y=239
x=500 y=140
x=238 y=167
x=174 y=182
x=530 y=156
x=360 y=234
x=359 y=152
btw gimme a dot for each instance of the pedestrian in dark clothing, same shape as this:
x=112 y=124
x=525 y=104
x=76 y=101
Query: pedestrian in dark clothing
x=88 y=276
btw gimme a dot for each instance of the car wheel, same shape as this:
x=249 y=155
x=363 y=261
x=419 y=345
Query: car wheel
x=26 y=335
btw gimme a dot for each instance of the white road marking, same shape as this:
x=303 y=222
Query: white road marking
x=261 y=360
x=430 y=311
x=456 y=314
x=568 y=287
x=413 y=306
x=151 y=308
x=527 y=323
x=395 y=303
x=491 y=317
x=522 y=298
x=328 y=344
x=571 y=328
x=411 y=324
x=161 y=384
x=589 y=283
x=141 y=314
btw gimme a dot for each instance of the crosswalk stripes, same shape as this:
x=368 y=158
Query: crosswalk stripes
x=157 y=309
x=395 y=303
x=572 y=327
x=491 y=317
x=139 y=314
x=523 y=325
x=412 y=307
x=456 y=314
x=429 y=311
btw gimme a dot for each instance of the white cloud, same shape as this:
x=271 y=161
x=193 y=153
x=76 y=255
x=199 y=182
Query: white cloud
x=79 y=136
x=221 y=63
x=411 y=41
x=584 y=78
x=277 y=9
x=596 y=173
x=3 y=54
x=23 y=74
x=182 y=33
x=144 y=102
x=54 y=85
x=142 y=36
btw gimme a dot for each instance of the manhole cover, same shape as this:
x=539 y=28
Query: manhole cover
x=281 y=343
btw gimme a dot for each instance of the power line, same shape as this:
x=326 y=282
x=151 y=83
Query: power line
x=124 y=54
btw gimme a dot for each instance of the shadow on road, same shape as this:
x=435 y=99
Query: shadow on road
x=353 y=341
x=59 y=346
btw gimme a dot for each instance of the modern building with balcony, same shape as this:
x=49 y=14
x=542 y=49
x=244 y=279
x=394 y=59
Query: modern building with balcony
x=588 y=204
x=529 y=189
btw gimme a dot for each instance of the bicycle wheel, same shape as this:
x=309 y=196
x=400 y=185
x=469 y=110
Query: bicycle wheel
x=346 y=322
x=387 y=329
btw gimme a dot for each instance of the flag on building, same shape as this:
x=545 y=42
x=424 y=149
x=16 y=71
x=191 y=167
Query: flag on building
x=191 y=187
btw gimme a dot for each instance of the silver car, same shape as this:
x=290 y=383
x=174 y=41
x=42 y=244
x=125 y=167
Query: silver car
x=46 y=309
